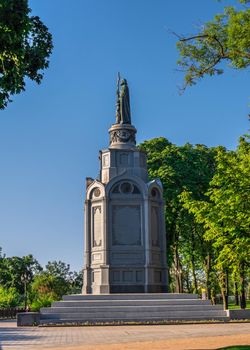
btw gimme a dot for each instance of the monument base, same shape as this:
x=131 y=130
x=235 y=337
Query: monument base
x=125 y=308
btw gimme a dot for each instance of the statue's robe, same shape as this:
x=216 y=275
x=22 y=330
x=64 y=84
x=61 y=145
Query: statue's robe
x=125 y=105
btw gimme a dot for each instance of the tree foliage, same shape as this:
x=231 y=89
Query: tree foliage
x=52 y=283
x=207 y=211
x=9 y=297
x=16 y=272
x=25 y=46
x=224 y=39
x=182 y=168
x=25 y=283
x=225 y=213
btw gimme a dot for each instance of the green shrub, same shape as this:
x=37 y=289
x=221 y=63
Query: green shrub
x=44 y=300
x=9 y=297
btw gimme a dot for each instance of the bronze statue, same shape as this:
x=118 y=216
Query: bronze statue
x=123 y=115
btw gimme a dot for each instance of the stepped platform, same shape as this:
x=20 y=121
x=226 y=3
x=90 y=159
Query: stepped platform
x=129 y=308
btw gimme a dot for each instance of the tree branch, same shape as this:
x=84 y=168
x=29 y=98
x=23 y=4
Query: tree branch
x=203 y=36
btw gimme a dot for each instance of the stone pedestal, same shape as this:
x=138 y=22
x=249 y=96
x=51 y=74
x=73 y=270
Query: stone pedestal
x=125 y=245
x=122 y=136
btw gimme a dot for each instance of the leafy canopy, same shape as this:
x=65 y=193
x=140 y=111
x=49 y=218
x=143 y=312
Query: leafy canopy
x=225 y=213
x=180 y=168
x=224 y=39
x=25 y=46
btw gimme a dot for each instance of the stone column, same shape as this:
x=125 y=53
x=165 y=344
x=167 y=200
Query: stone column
x=86 y=289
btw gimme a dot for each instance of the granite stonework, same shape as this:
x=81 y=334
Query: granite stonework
x=125 y=244
x=126 y=308
x=239 y=314
x=28 y=319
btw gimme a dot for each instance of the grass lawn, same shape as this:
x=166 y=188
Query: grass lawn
x=231 y=306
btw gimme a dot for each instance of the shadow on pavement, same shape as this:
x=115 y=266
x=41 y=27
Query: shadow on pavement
x=10 y=335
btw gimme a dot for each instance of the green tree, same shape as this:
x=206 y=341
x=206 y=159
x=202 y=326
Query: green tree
x=58 y=269
x=9 y=297
x=25 y=46
x=52 y=283
x=23 y=280
x=76 y=280
x=224 y=39
x=181 y=168
x=21 y=271
x=18 y=273
x=61 y=270
x=44 y=290
x=225 y=215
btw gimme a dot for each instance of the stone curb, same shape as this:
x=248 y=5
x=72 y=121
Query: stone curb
x=239 y=314
x=28 y=319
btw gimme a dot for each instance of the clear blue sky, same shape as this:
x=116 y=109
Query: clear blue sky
x=51 y=134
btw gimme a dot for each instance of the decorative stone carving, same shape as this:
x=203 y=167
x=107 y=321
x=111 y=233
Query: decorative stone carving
x=155 y=226
x=97 y=192
x=125 y=188
x=122 y=136
x=97 y=226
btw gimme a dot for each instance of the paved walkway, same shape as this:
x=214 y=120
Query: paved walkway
x=196 y=336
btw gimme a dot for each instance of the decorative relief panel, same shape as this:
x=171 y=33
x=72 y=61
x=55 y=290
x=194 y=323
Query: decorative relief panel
x=97 y=277
x=97 y=257
x=97 y=226
x=155 y=226
x=105 y=160
x=126 y=225
x=97 y=192
x=122 y=135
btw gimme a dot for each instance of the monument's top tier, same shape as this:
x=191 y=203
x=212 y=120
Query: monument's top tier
x=122 y=158
x=122 y=133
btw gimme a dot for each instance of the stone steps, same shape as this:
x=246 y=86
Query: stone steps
x=125 y=308
x=109 y=303
x=132 y=296
x=130 y=314
x=137 y=320
x=143 y=308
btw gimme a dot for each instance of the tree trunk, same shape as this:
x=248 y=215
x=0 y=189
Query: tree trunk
x=187 y=280
x=227 y=283
x=208 y=275
x=236 y=293
x=178 y=270
x=25 y=295
x=242 y=286
x=223 y=286
x=195 y=285
x=213 y=297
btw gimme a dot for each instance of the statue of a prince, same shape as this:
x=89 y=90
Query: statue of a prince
x=123 y=115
